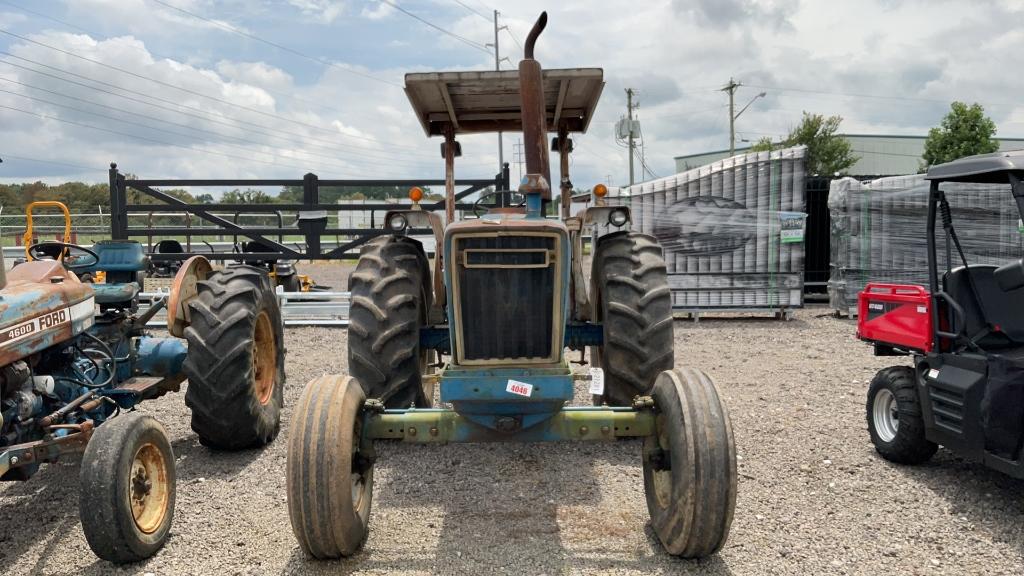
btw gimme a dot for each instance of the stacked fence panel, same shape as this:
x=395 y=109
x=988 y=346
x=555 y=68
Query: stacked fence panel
x=879 y=232
x=732 y=231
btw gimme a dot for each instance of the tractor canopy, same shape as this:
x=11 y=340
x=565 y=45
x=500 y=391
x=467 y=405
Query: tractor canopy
x=984 y=168
x=489 y=101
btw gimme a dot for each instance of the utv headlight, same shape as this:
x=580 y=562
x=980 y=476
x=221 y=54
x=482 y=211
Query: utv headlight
x=618 y=217
x=397 y=223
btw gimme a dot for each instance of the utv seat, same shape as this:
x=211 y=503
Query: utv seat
x=1003 y=310
x=169 y=247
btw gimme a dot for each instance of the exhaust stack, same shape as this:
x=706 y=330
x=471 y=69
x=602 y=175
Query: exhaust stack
x=535 y=133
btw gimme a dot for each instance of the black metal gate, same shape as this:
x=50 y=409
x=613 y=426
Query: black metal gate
x=310 y=223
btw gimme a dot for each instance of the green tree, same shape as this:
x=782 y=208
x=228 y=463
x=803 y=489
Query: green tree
x=965 y=131
x=249 y=196
x=765 y=144
x=827 y=152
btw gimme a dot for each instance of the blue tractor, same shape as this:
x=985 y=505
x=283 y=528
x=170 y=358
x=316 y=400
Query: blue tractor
x=76 y=359
x=490 y=322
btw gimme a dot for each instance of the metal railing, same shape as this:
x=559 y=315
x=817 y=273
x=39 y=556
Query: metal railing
x=297 y=232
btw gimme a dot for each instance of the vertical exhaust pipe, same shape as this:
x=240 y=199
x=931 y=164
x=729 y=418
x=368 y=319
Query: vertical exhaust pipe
x=531 y=92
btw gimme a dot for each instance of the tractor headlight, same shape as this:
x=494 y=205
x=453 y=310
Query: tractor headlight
x=618 y=217
x=397 y=223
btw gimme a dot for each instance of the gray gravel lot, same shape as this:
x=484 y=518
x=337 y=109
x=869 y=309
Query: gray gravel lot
x=813 y=499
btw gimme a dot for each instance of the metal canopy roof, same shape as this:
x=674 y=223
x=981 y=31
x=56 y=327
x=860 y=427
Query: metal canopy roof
x=489 y=101
x=981 y=168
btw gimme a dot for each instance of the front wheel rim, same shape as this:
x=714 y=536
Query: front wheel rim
x=885 y=415
x=149 y=488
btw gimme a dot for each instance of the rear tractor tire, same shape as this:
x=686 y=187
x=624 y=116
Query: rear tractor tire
x=895 y=422
x=127 y=488
x=631 y=299
x=235 y=362
x=329 y=481
x=391 y=297
x=690 y=465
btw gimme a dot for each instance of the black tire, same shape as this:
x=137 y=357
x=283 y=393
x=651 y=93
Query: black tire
x=690 y=465
x=111 y=488
x=329 y=518
x=906 y=443
x=291 y=283
x=631 y=298
x=235 y=362
x=391 y=297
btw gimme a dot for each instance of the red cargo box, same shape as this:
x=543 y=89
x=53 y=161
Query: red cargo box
x=897 y=315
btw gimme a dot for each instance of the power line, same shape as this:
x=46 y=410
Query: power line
x=850 y=94
x=162 y=121
x=276 y=132
x=154 y=128
x=185 y=90
x=165 y=56
x=471 y=9
x=234 y=30
x=151 y=140
x=514 y=39
x=462 y=39
x=27 y=159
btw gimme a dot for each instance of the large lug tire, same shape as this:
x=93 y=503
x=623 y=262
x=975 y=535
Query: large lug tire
x=894 y=415
x=631 y=298
x=690 y=465
x=391 y=297
x=127 y=488
x=330 y=482
x=235 y=362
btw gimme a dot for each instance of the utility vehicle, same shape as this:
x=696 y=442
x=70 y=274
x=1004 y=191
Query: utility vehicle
x=965 y=333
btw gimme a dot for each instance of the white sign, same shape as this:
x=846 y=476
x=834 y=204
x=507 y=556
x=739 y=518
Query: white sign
x=596 y=381
x=519 y=388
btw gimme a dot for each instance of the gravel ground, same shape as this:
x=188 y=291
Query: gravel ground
x=813 y=496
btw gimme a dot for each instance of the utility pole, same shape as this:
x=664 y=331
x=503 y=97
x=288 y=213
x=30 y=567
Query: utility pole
x=731 y=89
x=518 y=157
x=629 y=114
x=497 y=66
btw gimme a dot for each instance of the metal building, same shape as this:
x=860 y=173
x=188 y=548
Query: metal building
x=880 y=154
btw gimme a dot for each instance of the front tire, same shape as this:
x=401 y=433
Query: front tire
x=235 y=362
x=127 y=488
x=895 y=421
x=690 y=465
x=632 y=300
x=329 y=481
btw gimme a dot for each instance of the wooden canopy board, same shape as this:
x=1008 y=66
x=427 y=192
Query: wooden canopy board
x=473 y=102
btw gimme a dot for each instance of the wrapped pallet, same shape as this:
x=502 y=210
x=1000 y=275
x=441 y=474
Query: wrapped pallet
x=732 y=231
x=878 y=232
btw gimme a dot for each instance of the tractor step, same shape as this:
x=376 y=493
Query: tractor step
x=150 y=386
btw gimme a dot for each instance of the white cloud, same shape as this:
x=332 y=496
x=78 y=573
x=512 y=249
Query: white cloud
x=325 y=11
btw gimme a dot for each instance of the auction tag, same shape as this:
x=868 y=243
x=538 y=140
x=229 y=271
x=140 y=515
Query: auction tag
x=519 y=388
x=922 y=309
x=933 y=373
x=596 y=381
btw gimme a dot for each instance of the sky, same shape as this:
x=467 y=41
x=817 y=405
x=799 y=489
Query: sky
x=278 y=88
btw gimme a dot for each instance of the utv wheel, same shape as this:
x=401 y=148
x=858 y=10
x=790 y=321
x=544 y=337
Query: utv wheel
x=631 y=298
x=235 y=362
x=894 y=417
x=126 y=498
x=690 y=465
x=330 y=482
x=391 y=296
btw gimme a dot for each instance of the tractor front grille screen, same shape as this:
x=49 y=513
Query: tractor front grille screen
x=506 y=288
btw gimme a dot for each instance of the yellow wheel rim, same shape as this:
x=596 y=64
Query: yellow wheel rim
x=149 y=491
x=264 y=358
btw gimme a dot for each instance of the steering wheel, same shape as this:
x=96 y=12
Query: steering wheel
x=55 y=251
x=479 y=209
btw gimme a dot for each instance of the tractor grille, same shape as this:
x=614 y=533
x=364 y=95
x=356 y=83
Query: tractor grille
x=506 y=290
